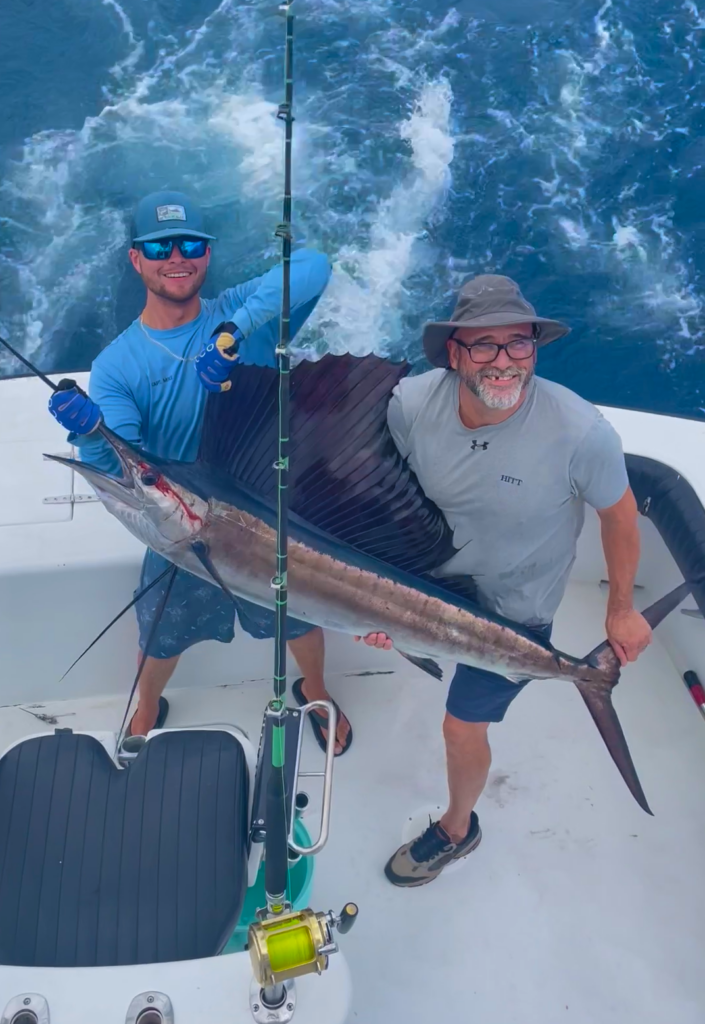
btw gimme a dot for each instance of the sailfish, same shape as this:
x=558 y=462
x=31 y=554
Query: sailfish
x=364 y=539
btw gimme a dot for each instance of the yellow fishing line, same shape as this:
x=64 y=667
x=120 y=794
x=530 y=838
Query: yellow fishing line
x=290 y=948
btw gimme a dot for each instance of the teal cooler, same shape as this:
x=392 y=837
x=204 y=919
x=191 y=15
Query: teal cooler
x=300 y=882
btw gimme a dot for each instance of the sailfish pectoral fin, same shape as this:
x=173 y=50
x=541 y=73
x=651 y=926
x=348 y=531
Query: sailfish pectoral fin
x=201 y=552
x=425 y=664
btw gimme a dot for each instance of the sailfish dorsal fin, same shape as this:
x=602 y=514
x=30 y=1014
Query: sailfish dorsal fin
x=346 y=474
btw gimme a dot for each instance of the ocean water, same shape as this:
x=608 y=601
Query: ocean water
x=558 y=142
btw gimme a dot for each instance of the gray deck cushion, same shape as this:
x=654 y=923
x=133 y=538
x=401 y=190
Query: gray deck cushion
x=101 y=866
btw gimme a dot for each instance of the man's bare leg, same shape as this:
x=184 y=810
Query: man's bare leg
x=421 y=860
x=155 y=675
x=309 y=651
x=469 y=757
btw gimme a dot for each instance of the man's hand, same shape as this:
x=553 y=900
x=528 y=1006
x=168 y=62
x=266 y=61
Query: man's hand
x=74 y=410
x=379 y=640
x=215 y=363
x=629 y=633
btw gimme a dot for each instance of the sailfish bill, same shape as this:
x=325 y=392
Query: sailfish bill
x=363 y=537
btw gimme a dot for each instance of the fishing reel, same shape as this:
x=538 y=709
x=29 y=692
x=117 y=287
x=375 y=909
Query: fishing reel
x=287 y=946
x=296 y=943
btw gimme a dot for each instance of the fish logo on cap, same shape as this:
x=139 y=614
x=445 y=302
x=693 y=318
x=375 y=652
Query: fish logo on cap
x=171 y=212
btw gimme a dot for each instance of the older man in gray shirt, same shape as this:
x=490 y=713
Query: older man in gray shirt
x=511 y=459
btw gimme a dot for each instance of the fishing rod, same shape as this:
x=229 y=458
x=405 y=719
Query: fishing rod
x=32 y=367
x=284 y=231
x=273 y=990
x=285 y=944
x=276 y=843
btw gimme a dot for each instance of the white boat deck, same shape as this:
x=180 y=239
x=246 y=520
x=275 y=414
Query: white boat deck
x=576 y=907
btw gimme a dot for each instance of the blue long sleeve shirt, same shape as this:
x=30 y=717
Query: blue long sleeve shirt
x=146 y=383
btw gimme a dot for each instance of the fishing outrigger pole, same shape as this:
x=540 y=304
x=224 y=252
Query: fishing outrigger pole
x=286 y=944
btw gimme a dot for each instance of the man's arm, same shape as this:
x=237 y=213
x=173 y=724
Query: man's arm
x=627 y=630
x=599 y=476
x=255 y=306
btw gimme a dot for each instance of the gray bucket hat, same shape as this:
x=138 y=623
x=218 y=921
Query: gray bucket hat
x=489 y=300
x=165 y=214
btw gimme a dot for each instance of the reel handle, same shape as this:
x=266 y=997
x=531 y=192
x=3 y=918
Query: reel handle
x=347 y=918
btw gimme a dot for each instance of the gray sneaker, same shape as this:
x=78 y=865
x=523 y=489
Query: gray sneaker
x=423 y=859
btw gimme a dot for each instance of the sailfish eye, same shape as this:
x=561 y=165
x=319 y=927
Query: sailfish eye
x=149 y=479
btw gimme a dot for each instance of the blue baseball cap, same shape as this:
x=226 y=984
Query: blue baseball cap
x=165 y=215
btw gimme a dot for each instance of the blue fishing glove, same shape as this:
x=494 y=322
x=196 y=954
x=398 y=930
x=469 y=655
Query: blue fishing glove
x=214 y=364
x=74 y=410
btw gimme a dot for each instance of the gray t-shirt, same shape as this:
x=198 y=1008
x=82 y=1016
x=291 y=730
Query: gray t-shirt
x=514 y=493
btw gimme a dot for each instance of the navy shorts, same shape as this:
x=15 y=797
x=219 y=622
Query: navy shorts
x=196 y=611
x=476 y=695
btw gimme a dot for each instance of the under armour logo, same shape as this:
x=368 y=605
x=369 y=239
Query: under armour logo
x=480 y=444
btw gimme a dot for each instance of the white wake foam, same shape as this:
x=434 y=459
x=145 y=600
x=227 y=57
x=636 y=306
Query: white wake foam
x=59 y=190
x=136 y=46
x=362 y=309
x=379 y=97
x=638 y=247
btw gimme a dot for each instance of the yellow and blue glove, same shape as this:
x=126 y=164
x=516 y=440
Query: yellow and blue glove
x=74 y=410
x=215 y=363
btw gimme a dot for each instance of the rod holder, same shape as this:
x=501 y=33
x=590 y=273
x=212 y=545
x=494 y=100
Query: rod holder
x=273 y=1006
x=26 y=1008
x=150 y=1008
x=130 y=749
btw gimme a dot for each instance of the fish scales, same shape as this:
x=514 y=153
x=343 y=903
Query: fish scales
x=333 y=593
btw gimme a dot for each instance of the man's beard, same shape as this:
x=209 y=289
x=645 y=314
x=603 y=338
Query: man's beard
x=476 y=383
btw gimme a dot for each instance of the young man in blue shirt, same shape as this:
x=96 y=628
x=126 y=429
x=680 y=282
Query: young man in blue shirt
x=150 y=386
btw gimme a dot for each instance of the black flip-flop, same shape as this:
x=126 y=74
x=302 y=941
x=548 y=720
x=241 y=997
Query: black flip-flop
x=161 y=717
x=318 y=721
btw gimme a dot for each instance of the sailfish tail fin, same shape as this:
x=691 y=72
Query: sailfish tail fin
x=598 y=698
x=597 y=694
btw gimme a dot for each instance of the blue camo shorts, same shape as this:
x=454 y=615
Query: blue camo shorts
x=476 y=695
x=196 y=611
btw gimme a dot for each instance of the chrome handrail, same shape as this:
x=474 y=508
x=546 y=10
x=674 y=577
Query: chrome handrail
x=326 y=775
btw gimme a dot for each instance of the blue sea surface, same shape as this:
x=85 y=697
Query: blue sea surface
x=557 y=142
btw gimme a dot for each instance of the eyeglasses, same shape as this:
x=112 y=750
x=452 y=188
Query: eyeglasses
x=162 y=248
x=487 y=351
